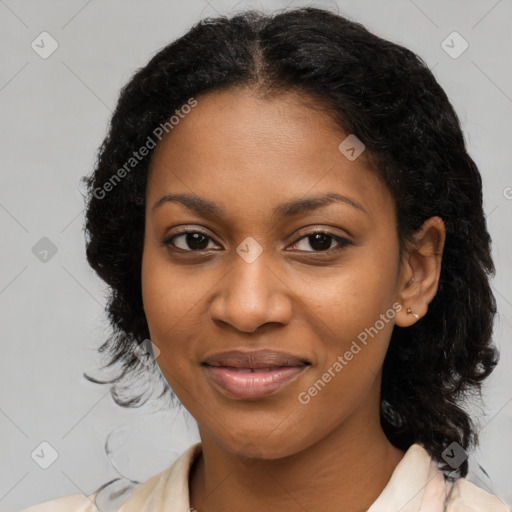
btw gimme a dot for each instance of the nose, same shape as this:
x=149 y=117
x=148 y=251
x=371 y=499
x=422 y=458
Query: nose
x=251 y=295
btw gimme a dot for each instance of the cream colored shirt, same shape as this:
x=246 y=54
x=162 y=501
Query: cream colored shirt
x=416 y=485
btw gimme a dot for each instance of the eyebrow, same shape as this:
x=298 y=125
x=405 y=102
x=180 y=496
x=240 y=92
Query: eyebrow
x=206 y=208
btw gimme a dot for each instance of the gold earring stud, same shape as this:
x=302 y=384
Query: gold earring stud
x=410 y=312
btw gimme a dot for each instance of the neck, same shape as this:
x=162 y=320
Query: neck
x=345 y=471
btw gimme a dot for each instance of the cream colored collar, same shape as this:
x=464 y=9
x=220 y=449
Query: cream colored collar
x=169 y=490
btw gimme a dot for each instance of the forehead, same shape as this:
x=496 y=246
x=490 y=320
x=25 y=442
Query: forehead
x=239 y=118
x=235 y=145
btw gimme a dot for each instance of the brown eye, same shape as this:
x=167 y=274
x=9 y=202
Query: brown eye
x=321 y=242
x=189 y=241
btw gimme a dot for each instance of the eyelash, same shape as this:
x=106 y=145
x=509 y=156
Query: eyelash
x=342 y=242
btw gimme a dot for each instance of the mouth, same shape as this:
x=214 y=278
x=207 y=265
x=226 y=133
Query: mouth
x=253 y=375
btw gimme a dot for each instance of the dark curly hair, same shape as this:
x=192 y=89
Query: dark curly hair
x=387 y=96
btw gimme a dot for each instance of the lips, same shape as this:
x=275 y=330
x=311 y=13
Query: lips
x=253 y=375
x=255 y=359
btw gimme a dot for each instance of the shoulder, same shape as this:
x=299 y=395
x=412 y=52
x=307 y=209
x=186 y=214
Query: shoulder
x=162 y=491
x=71 y=503
x=168 y=490
x=466 y=496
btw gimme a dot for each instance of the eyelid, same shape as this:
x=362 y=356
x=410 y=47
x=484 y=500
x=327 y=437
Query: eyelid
x=320 y=229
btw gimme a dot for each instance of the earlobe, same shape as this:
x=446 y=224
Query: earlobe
x=420 y=271
x=411 y=312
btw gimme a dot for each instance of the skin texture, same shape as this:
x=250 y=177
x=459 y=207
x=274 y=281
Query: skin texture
x=250 y=155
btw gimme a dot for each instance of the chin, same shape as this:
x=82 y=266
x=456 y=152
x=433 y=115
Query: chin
x=254 y=446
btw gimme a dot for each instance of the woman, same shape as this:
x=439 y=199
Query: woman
x=285 y=207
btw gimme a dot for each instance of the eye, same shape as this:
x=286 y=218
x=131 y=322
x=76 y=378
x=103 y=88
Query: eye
x=317 y=241
x=189 y=241
x=321 y=241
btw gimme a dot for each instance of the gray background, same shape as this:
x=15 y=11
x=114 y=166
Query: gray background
x=54 y=116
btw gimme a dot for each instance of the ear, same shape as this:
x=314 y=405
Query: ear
x=419 y=272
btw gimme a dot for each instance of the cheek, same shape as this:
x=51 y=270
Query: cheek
x=345 y=300
x=346 y=379
x=168 y=302
x=353 y=316
x=169 y=294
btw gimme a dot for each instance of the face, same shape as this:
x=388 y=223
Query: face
x=279 y=242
